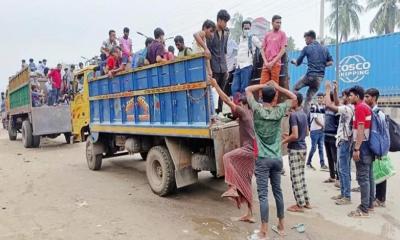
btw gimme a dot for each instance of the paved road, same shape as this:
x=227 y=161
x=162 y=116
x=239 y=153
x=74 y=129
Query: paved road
x=49 y=193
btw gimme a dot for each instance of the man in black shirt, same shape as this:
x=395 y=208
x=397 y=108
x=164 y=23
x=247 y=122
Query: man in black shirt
x=218 y=49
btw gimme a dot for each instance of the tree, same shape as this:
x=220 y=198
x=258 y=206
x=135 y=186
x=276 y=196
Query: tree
x=387 y=17
x=236 y=30
x=348 y=18
x=291 y=45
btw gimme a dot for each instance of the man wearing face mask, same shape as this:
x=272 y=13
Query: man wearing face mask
x=244 y=66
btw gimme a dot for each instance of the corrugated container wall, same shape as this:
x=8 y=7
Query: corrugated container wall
x=370 y=62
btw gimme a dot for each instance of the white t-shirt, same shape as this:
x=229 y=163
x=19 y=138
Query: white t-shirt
x=232 y=51
x=315 y=115
x=346 y=113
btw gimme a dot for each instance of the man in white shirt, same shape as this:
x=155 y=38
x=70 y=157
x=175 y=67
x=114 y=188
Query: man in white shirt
x=316 y=122
x=244 y=60
x=231 y=53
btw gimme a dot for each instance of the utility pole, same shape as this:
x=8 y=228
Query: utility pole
x=322 y=20
x=337 y=41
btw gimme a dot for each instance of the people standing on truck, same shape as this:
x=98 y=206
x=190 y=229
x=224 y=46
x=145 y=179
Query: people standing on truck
x=23 y=64
x=55 y=76
x=318 y=58
x=41 y=66
x=180 y=45
x=156 y=50
x=32 y=65
x=316 y=124
x=344 y=140
x=113 y=65
x=244 y=61
x=274 y=47
x=80 y=65
x=298 y=129
x=267 y=126
x=106 y=47
x=239 y=163
x=125 y=44
x=231 y=54
x=49 y=92
x=140 y=56
x=169 y=54
x=362 y=154
x=217 y=49
x=371 y=98
x=200 y=43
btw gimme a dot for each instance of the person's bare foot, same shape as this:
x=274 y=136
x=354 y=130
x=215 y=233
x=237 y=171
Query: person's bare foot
x=295 y=208
x=308 y=206
x=247 y=218
x=231 y=192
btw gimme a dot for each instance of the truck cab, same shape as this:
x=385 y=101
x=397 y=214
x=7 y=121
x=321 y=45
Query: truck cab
x=80 y=111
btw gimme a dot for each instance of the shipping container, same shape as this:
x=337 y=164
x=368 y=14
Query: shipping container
x=369 y=62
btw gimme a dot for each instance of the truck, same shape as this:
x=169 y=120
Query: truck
x=165 y=113
x=34 y=122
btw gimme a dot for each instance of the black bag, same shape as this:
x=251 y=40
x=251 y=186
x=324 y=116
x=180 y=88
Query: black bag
x=394 y=132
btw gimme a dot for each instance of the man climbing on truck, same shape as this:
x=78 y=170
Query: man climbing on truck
x=239 y=163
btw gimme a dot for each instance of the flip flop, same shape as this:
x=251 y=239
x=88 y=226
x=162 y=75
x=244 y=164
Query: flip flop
x=239 y=219
x=300 y=228
x=295 y=208
x=255 y=236
x=277 y=231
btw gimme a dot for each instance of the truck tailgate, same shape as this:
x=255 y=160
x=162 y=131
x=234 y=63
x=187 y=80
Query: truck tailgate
x=51 y=119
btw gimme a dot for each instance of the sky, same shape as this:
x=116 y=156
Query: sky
x=64 y=31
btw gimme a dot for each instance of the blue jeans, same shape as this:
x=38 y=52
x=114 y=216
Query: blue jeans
x=55 y=95
x=365 y=177
x=269 y=168
x=241 y=79
x=344 y=161
x=317 y=139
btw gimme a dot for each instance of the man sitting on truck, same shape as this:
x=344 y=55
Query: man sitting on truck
x=156 y=50
x=267 y=126
x=114 y=65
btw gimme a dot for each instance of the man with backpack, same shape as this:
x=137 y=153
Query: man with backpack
x=180 y=45
x=371 y=98
x=244 y=60
x=343 y=140
x=362 y=154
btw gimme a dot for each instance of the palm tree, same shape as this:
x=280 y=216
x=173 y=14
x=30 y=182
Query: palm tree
x=386 y=18
x=348 y=18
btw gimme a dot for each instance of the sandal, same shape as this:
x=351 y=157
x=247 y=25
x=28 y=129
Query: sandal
x=329 y=180
x=295 y=208
x=358 y=214
x=277 y=231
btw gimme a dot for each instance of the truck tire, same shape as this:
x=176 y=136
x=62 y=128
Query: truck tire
x=160 y=171
x=94 y=156
x=26 y=134
x=35 y=141
x=68 y=138
x=144 y=155
x=12 y=133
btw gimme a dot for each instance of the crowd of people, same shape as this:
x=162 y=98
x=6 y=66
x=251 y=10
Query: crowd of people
x=338 y=125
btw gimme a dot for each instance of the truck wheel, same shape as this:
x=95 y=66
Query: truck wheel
x=144 y=155
x=94 y=156
x=68 y=138
x=27 y=134
x=35 y=141
x=160 y=171
x=12 y=132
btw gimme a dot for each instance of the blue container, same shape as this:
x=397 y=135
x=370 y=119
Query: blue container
x=168 y=96
x=370 y=62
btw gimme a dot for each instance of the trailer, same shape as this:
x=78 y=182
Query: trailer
x=164 y=112
x=34 y=122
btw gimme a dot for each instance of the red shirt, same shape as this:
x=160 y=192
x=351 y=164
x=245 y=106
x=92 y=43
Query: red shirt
x=55 y=76
x=362 y=115
x=112 y=63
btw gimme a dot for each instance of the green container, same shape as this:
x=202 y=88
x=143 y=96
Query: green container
x=20 y=97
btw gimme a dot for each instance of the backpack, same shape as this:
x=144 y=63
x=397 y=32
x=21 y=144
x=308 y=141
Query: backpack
x=185 y=51
x=379 y=138
x=394 y=132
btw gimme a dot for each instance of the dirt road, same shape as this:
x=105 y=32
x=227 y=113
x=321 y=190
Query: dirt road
x=49 y=193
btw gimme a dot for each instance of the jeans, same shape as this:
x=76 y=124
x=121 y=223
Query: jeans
x=55 y=95
x=344 y=162
x=381 y=191
x=50 y=98
x=223 y=84
x=317 y=139
x=313 y=83
x=331 y=154
x=365 y=177
x=269 y=168
x=241 y=79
